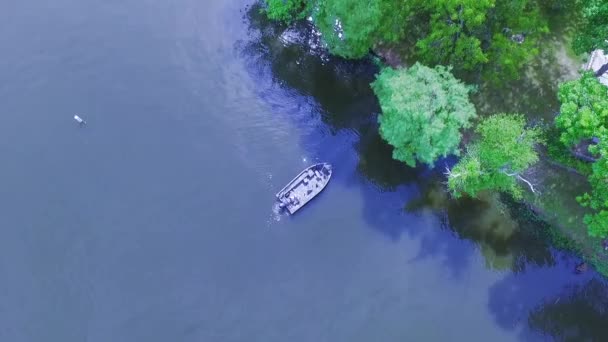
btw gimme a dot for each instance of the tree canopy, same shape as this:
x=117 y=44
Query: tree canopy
x=500 y=34
x=285 y=10
x=425 y=109
x=584 y=109
x=597 y=199
x=423 y=112
x=592 y=33
x=466 y=34
x=504 y=149
x=349 y=27
x=451 y=38
x=583 y=115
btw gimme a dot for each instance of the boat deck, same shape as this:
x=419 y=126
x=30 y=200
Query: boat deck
x=304 y=187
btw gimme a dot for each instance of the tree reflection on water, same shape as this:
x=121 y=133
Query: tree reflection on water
x=508 y=238
x=581 y=314
x=507 y=241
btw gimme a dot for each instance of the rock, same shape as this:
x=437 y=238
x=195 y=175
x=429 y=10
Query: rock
x=581 y=268
x=518 y=38
x=291 y=36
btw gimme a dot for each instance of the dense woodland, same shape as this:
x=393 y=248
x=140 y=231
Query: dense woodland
x=426 y=109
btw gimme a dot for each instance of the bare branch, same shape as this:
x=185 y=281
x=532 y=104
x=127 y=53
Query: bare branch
x=527 y=182
x=521 y=179
x=449 y=173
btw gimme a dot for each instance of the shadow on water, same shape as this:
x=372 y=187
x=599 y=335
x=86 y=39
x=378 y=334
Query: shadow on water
x=580 y=314
x=339 y=90
x=402 y=201
x=507 y=239
x=552 y=303
x=376 y=162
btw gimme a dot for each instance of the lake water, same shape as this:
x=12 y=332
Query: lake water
x=154 y=222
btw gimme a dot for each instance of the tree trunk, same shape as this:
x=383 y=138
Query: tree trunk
x=602 y=70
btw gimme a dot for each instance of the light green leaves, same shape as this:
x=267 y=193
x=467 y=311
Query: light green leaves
x=466 y=34
x=352 y=27
x=504 y=150
x=584 y=109
x=349 y=27
x=423 y=112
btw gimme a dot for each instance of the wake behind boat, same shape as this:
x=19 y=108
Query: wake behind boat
x=308 y=184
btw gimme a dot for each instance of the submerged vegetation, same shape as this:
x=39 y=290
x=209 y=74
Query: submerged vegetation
x=426 y=110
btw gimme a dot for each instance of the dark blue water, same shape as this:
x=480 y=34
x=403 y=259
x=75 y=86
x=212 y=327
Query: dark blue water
x=154 y=222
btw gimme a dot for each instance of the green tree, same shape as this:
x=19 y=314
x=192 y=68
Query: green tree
x=352 y=27
x=583 y=115
x=451 y=38
x=349 y=27
x=584 y=109
x=423 y=112
x=496 y=161
x=502 y=34
x=519 y=18
x=597 y=223
x=592 y=33
x=285 y=10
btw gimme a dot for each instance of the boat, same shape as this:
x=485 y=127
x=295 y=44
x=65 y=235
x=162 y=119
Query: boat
x=304 y=187
x=79 y=120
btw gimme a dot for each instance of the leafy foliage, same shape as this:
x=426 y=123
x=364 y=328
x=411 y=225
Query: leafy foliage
x=584 y=114
x=593 y=31
x=423 y=111
x=285 y=10
x=450 y=39
x=467 y=34
x=351 y=27
x=504 y=150
x=597 y=223
x=561 y=154
x=584 y=109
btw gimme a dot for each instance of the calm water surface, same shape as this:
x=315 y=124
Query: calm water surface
x=155 y=223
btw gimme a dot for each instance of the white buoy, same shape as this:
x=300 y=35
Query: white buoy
x=79 y=120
